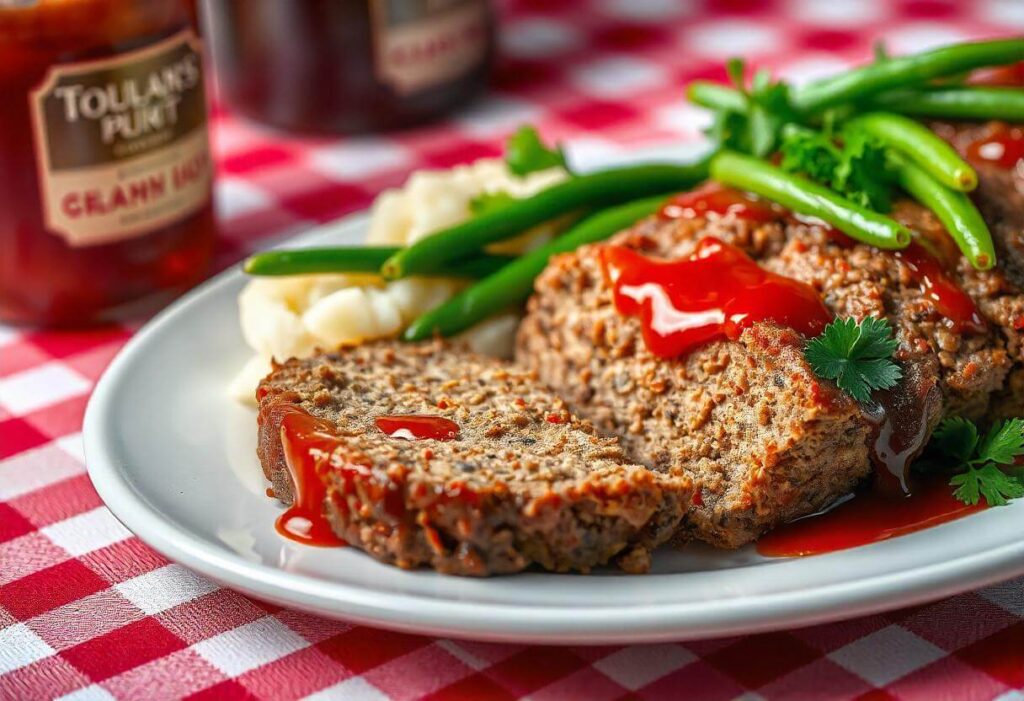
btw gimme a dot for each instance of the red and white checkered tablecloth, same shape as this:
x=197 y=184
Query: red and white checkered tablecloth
x=89 y=612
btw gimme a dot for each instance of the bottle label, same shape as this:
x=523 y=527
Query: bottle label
x=121 y=143
x=419 y=44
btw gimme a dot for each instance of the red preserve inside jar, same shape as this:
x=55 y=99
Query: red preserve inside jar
x=104 y=159
x=350 y=65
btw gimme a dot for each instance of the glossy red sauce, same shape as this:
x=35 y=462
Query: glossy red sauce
x=938 y=286
x=900 y=417
x=721 y=200
x=1002 y=146
x=714 y=293
x=418 y=427
x=309 y=448
x=866 y=518
x=1011 y=76
x=949 y=299
x=312 y=450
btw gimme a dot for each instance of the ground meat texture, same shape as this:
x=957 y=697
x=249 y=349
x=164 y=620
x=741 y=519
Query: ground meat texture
x=525 y=483
x=1000 y=199
x=765 y=440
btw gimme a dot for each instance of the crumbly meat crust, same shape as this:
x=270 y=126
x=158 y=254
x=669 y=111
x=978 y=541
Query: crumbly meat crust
x=526 y=483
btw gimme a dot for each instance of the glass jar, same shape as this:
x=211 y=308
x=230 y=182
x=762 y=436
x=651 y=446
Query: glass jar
x=105 y=170
x=341 y=66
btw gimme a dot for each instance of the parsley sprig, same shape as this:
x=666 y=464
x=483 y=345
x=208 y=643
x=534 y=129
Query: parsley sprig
x=857 y=355
x=763 y=109
x=978 y=459
x=851 y=163
x=487 y=202
x=525 y=153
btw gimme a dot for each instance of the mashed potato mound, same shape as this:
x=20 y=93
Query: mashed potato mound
x=292 y=316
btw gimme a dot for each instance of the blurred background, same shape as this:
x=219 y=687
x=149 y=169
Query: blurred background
x=315 y=106
x=605 y=75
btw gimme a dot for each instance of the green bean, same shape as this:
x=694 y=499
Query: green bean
x=358 y=259
x=601 y=188
x=956 y=103
x=805 y=197
x=905 y=71
x=513 y=284
x=715 y=96
x=920 y=145
x=954 y=209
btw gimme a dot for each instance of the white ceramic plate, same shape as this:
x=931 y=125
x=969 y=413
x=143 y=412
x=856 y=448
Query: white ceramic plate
x=174 y=459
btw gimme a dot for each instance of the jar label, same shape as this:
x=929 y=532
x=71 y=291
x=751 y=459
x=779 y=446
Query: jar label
x=419 y=44
x=121 y=142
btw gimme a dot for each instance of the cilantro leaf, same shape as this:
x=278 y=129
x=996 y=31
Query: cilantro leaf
x=736 y=69
x=979 y=459
x=855 y=166
x=487 y=202
x=986 y=481
x=730 y=130
x=812 y=153
x=956 y=437
x=1002 y=443
x=863 y=172
x=757 y=127
x=525 y=153
x=858 y=356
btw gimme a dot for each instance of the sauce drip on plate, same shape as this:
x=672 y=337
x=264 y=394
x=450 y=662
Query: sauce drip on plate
x=722 y=200
x=418 y=427
x=866 y=518
x=309 y=447
x=714 y=293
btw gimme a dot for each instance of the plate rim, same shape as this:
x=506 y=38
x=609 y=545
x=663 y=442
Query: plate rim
x=500 y=622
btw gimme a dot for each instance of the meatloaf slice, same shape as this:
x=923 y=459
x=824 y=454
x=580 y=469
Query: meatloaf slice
x=748 y=420
x=764 y=439
x=525 y=482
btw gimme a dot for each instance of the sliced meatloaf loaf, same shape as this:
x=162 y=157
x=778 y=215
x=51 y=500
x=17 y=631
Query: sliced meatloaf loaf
x=524 y=482
x=765 y=440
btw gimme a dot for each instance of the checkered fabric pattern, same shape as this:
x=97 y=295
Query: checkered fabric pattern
x=89 y=612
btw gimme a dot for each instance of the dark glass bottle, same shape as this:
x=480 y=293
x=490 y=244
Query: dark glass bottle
x=324 y=66
x=105 y=171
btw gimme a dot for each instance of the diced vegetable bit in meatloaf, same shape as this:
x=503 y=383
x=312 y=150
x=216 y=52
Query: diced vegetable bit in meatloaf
x=525 y=482
x=765 y=440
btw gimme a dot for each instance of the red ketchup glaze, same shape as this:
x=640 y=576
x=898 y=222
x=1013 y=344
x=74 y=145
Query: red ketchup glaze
x=1003 y=146
x=308 y=449
x=929 y=272
x=418 y=427
x=1011 y=76
x=867 y=518
x=311 y=450
x=714 y=293
x=950 y=301
x=721 y=200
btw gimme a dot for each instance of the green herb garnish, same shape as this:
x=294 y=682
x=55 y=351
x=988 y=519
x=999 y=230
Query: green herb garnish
x=978 y=459
x=487 y=202
x=853 y=165
x=525 y=153
x=857 y=355
x=753 y=124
